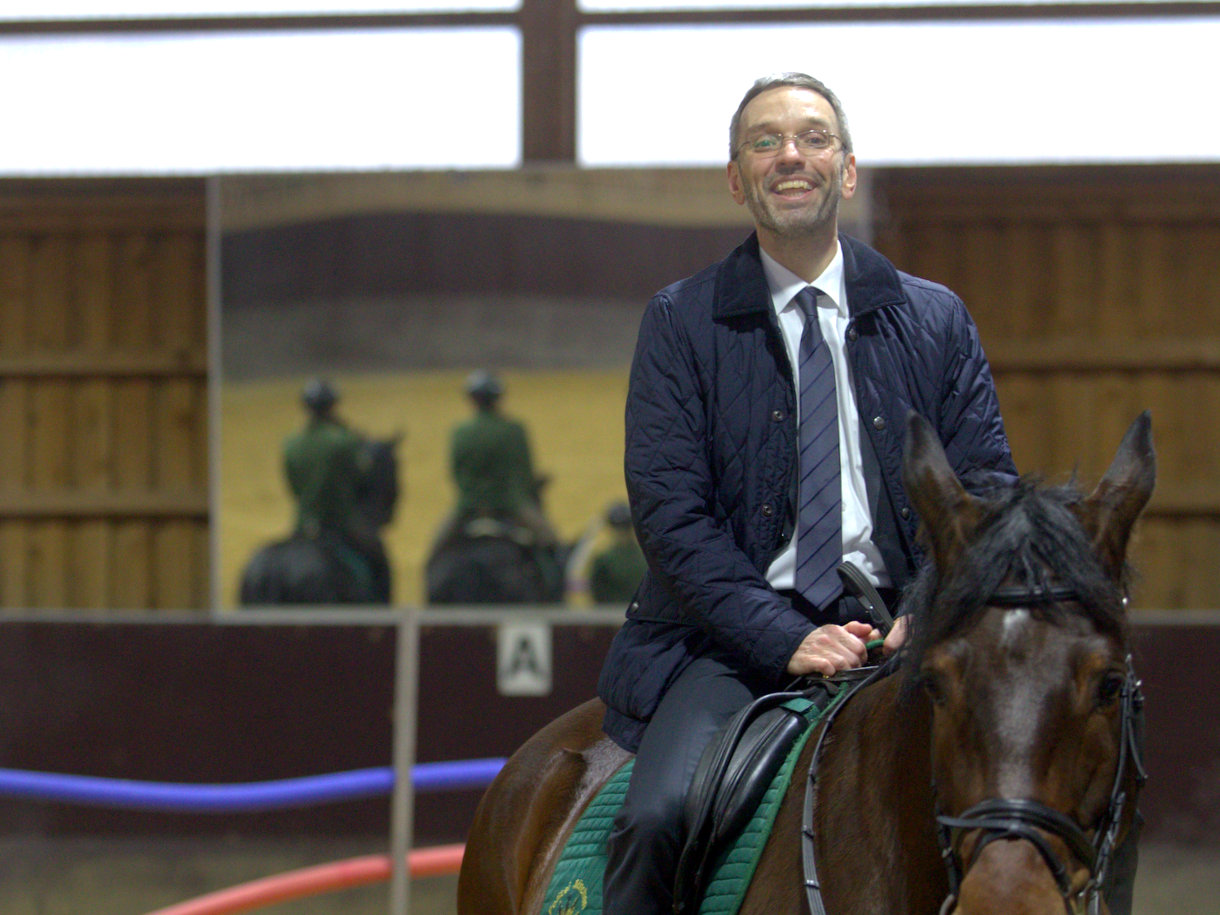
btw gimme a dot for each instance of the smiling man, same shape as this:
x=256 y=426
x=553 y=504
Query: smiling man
x=765 y=415
x=792 y=183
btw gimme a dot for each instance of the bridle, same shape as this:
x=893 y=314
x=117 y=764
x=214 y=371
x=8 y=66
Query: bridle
x=1031 y=821
x=1010 y=818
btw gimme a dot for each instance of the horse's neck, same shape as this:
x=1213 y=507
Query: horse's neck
x=885 y=731
x=876 y=805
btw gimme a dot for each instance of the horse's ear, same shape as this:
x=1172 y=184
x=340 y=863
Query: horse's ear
x=1110 y=511
x=948 y=513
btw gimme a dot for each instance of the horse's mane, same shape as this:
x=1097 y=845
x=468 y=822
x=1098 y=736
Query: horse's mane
x=1028 y=537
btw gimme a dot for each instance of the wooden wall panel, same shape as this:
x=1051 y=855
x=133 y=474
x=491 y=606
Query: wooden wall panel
x=1096 y=295
x=1095 y=291
x=103 y=395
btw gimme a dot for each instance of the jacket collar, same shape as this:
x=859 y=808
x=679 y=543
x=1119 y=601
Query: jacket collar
x=741 y=286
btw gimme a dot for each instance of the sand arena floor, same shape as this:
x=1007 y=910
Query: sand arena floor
x=132 y=877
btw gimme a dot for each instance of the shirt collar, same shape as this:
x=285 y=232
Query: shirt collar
x=784 y=284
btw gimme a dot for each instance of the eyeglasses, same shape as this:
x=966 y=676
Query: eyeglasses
x=814 y=140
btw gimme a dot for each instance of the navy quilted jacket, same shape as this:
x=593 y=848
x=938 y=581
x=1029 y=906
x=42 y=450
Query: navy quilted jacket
x=711 y=458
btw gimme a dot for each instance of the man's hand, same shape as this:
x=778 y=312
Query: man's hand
x=830 y=649
x=897 y=635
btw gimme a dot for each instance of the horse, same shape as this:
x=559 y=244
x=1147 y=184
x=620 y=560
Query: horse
x=327 y=567
x=988 y=767
x=493 y=560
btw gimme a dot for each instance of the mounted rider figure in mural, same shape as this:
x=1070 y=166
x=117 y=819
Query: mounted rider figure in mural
x=496 y=546
x=328 y=466
x=345 y=487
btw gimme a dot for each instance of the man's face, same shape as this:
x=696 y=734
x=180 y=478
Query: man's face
x=793 y=192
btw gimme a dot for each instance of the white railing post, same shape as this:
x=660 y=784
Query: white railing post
x=402 y=812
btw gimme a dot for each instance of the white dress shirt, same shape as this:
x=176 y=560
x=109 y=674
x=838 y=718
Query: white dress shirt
x=858 y=546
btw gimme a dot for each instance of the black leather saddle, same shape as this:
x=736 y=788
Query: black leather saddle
x=738 y=767
x=734 y=773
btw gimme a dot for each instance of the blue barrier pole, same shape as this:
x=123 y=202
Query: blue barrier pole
x=240 y=798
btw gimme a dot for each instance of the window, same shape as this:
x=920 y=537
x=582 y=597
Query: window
x=158 y=103
x=916 y=93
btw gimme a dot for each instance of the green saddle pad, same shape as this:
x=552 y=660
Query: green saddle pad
x=576 y=886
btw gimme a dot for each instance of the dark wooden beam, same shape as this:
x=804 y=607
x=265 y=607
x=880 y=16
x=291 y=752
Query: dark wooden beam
x=548 y=81
x=561 y=15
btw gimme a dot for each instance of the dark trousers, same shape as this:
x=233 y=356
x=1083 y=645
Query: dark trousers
x=648 y=833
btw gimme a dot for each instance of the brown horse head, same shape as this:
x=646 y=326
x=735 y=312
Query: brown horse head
x=1019 y=641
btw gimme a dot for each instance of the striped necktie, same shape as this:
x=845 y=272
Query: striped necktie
x=819 y=529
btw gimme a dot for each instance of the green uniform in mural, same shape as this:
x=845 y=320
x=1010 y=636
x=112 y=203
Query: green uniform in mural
x=492 y=468
x=329 y=469
x=616 y=572
x=493 y=471
x=325 y=463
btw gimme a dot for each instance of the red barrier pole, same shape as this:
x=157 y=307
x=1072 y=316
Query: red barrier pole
x=313 y=881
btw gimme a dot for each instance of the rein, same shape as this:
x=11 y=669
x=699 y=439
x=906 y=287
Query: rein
x=856 y=680
x=1029 y=820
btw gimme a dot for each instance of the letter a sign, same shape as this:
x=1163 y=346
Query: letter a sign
x=523 y=659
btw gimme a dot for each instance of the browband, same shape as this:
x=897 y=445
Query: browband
x=1019 y=595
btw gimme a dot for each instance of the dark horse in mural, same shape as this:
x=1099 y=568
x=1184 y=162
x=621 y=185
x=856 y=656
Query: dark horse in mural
x=494 y=560
x=330 y=569
x=991 y=769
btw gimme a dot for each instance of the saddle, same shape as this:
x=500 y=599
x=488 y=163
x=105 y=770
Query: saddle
x=739 y=766
x=734 y=773
x=501 y=526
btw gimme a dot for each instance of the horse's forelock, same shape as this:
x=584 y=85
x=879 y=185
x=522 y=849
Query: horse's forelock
x=1029 y=537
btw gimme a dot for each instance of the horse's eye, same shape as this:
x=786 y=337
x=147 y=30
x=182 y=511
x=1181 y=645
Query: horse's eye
x=1109 y=689
x=932 y=687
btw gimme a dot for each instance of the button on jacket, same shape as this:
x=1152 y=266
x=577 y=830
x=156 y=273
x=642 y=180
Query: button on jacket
x=711 y=458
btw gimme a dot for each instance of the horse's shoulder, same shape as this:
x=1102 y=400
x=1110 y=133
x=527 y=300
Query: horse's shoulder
x=542 y=790
x=582 y=724
x=572 y=748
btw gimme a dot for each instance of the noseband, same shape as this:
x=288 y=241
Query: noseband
x=1031 y=821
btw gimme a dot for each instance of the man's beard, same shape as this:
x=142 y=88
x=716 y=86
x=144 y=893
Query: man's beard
x=795 y=223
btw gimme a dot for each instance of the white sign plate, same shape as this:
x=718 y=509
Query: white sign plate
x=523 y=659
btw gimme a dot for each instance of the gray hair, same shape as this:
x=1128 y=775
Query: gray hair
x=799 y=81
